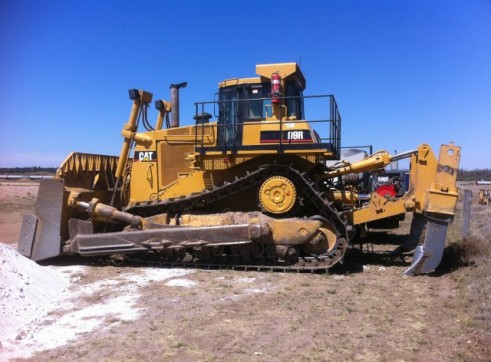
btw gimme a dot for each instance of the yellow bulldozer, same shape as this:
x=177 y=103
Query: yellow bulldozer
x=246 y=185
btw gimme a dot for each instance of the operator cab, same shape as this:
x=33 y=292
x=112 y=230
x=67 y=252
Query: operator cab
x=266 y=114
x=252 y=103
x=249 y=101
x=255 y=101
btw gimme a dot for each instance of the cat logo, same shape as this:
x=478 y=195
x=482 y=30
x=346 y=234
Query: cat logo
x=145 y=156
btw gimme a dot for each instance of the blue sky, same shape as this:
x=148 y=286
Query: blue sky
x=403 y=72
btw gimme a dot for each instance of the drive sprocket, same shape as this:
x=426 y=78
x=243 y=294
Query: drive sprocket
x=277 y=195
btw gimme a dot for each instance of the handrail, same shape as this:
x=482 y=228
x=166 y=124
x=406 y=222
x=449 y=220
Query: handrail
x=333 y=130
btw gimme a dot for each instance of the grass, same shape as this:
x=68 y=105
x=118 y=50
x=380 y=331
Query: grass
x=475 y=281
x=470 y=258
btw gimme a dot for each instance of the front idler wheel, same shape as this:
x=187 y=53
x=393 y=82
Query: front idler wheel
x=324 y=242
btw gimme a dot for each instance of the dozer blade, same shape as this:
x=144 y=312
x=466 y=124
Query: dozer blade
x=40 y=236
x=429 y=251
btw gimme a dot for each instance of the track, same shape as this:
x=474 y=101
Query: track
x=249 y=258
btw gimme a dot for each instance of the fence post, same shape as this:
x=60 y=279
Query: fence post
x=466 y=213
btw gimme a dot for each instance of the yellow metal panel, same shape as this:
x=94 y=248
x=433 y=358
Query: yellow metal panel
x=194 y=182
x=422 y=174
x=442 y=195
x=285 y=70
x=180 y=131
x=173 y=161
x=223 y=162
x=252 y=133
x=206 y=132
x=378 y=208
x=143 y=181
x=237 y=81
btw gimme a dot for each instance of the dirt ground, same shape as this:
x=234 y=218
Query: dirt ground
x=363 y=311
x=16 y=199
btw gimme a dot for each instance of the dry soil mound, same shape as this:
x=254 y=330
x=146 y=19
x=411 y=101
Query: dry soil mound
x=28 y=291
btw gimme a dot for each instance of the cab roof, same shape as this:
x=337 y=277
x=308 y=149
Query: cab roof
x=287 y=71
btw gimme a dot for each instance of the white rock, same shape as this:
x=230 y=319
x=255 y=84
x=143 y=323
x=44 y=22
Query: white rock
x=28 y=291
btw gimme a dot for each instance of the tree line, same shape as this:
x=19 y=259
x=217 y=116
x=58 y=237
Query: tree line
x=474 y=175
x=33 y=170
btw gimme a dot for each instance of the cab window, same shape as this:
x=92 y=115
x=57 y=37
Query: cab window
x=294 y=105
x=254 y=106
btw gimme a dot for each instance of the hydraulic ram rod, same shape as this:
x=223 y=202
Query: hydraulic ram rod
x=373 y=162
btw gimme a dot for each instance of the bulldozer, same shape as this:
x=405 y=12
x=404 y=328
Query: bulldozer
x=246 y=185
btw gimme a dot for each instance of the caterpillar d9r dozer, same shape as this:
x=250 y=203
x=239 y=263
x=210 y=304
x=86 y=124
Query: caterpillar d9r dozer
x=245 y=186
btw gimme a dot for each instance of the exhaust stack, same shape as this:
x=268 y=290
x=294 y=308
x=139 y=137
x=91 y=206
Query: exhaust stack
x=174 y=94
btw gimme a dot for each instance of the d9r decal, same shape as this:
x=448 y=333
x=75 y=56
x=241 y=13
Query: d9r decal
x=288 y=137
x=294 y=135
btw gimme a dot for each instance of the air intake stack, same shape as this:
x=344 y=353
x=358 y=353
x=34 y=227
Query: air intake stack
x=174 y=94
